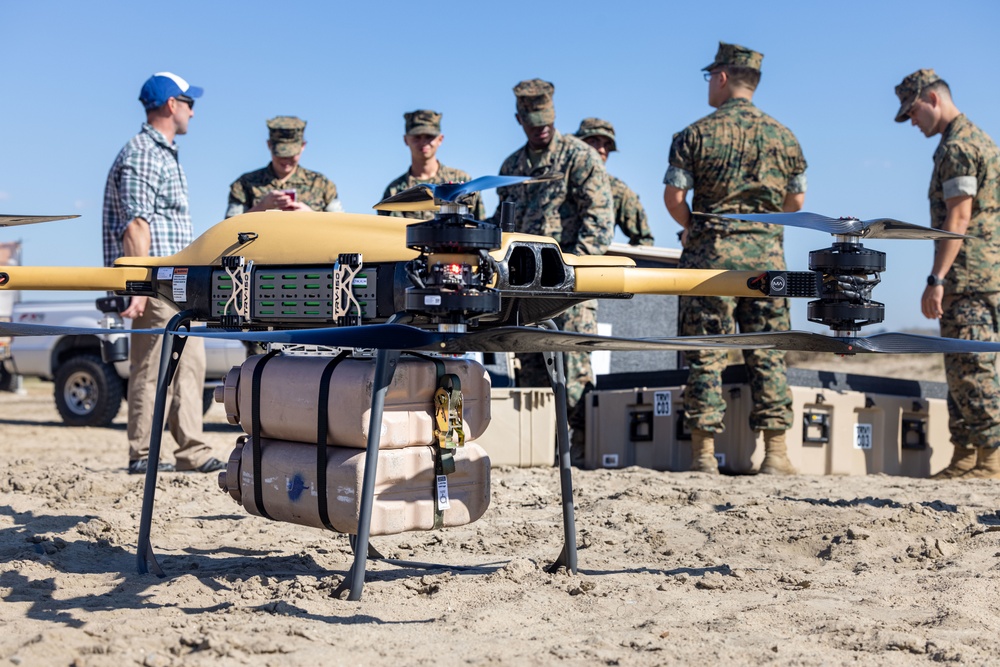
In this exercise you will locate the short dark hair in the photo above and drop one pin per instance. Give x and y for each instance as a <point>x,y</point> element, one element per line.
<point>937,87</point>
<point>743,76</point>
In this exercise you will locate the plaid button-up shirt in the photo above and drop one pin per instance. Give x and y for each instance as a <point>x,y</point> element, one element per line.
<point>146,181</point>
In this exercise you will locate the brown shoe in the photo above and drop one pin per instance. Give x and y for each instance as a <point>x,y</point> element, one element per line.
<point>963,460</point>
<point>703,452</point>
<point>987,464</point>
<point>776,455</point>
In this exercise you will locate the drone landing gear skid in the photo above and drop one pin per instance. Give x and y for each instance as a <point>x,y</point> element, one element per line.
<point>385,366</point>
<point>554,362</point>
<point>170,356</point>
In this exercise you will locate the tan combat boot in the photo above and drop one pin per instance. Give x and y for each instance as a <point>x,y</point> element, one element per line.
<point>776,455</point>
<point>987,464</point>
<point>703,452</point>
<point>963,460</point>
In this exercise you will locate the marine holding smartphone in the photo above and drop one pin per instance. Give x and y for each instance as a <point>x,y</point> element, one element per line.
<point>283,185</point>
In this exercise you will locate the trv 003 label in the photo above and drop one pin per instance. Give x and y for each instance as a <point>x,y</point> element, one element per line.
<point>862,436</point>
<point>661,403</point>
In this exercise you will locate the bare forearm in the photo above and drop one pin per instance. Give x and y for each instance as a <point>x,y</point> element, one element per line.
<point>676,202</point>
<point>793,202</point>
<point>136,239</point>
<point>957,221</point>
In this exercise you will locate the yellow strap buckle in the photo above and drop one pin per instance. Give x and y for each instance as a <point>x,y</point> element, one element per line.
<point>448,427</point>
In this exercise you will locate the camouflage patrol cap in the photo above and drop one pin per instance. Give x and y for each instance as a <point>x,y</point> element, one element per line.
<point>534,102</point>
<point>287,134</point>
<point>910,88</point>
<point>423,121</point>
<point>595,127</point>
<point>735,55</point>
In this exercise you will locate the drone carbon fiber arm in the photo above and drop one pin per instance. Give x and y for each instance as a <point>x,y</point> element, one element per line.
<point>688,282</point>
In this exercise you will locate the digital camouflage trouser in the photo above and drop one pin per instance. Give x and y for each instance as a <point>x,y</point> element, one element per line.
<point>973,389</point>
<point>704,406</point>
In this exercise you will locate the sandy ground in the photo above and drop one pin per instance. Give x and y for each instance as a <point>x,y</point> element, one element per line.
<point>674,568</point>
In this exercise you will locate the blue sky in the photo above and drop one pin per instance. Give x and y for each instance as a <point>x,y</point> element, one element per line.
<point>72,73</point>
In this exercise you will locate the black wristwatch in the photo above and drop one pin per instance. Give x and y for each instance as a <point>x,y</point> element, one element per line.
<point>934,281</point>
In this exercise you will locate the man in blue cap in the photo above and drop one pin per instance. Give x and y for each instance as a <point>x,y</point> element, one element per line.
<point>146,214</point>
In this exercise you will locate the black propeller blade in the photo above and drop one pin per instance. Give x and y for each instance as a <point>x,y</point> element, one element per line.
<point>428,196</point>
<point>14,220</point>
<point>530,339</point>
<point>886,343</point>
<point>25,329</point>
<point>878,228</point>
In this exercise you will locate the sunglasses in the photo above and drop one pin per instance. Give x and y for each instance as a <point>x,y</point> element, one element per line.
<point>185,99</point>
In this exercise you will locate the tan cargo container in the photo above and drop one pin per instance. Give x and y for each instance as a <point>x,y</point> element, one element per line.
<point>819,442</point>
<point>290,390</point>
<point>522,428</point>
<point>635,427</point>
<point>909,436</point>
<point>405,486</point>
<point>845,425</point>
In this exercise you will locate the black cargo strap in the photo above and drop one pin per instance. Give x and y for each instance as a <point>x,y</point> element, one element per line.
<point>322,429</point>
<point>258,475</point>
<point>439,474</point>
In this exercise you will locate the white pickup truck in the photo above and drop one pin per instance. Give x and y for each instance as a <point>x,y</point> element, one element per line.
<point>88,391</point>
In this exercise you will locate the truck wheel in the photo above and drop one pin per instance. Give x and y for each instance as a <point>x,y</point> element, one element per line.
<point>8,380</point>
<point>88,392</point>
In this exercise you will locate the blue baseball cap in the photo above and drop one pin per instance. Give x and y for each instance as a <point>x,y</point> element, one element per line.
<point>162,86</point>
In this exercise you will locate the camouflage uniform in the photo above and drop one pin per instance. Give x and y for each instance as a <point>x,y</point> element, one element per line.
<point>311,188</point>
<point>738,160</point>
<point>630,216</point>
<point>576,211</point>
<point>427,122</point>
<point>967,162</point>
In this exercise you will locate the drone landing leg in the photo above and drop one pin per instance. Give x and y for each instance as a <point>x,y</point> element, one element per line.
<point>146,559</point>
<point>557,373</point>
<point>385,367</point>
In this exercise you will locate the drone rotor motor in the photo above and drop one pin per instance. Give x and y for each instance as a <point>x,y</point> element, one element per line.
<point>451,277</point>
<point>850,272</point>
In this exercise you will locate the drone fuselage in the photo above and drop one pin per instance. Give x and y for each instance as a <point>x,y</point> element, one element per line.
<point>307,269</point>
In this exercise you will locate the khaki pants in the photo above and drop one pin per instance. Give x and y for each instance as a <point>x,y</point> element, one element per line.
<point>184,395</point>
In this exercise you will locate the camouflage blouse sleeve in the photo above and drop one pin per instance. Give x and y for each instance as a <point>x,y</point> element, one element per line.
<point>631,218</point>
<point>590,187</point>
<point>329,191</point>
<point>958,170</point>
<point>330,197</point>
<point>237,199</point>
<point>796,163</point>
<point>680,171</point>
